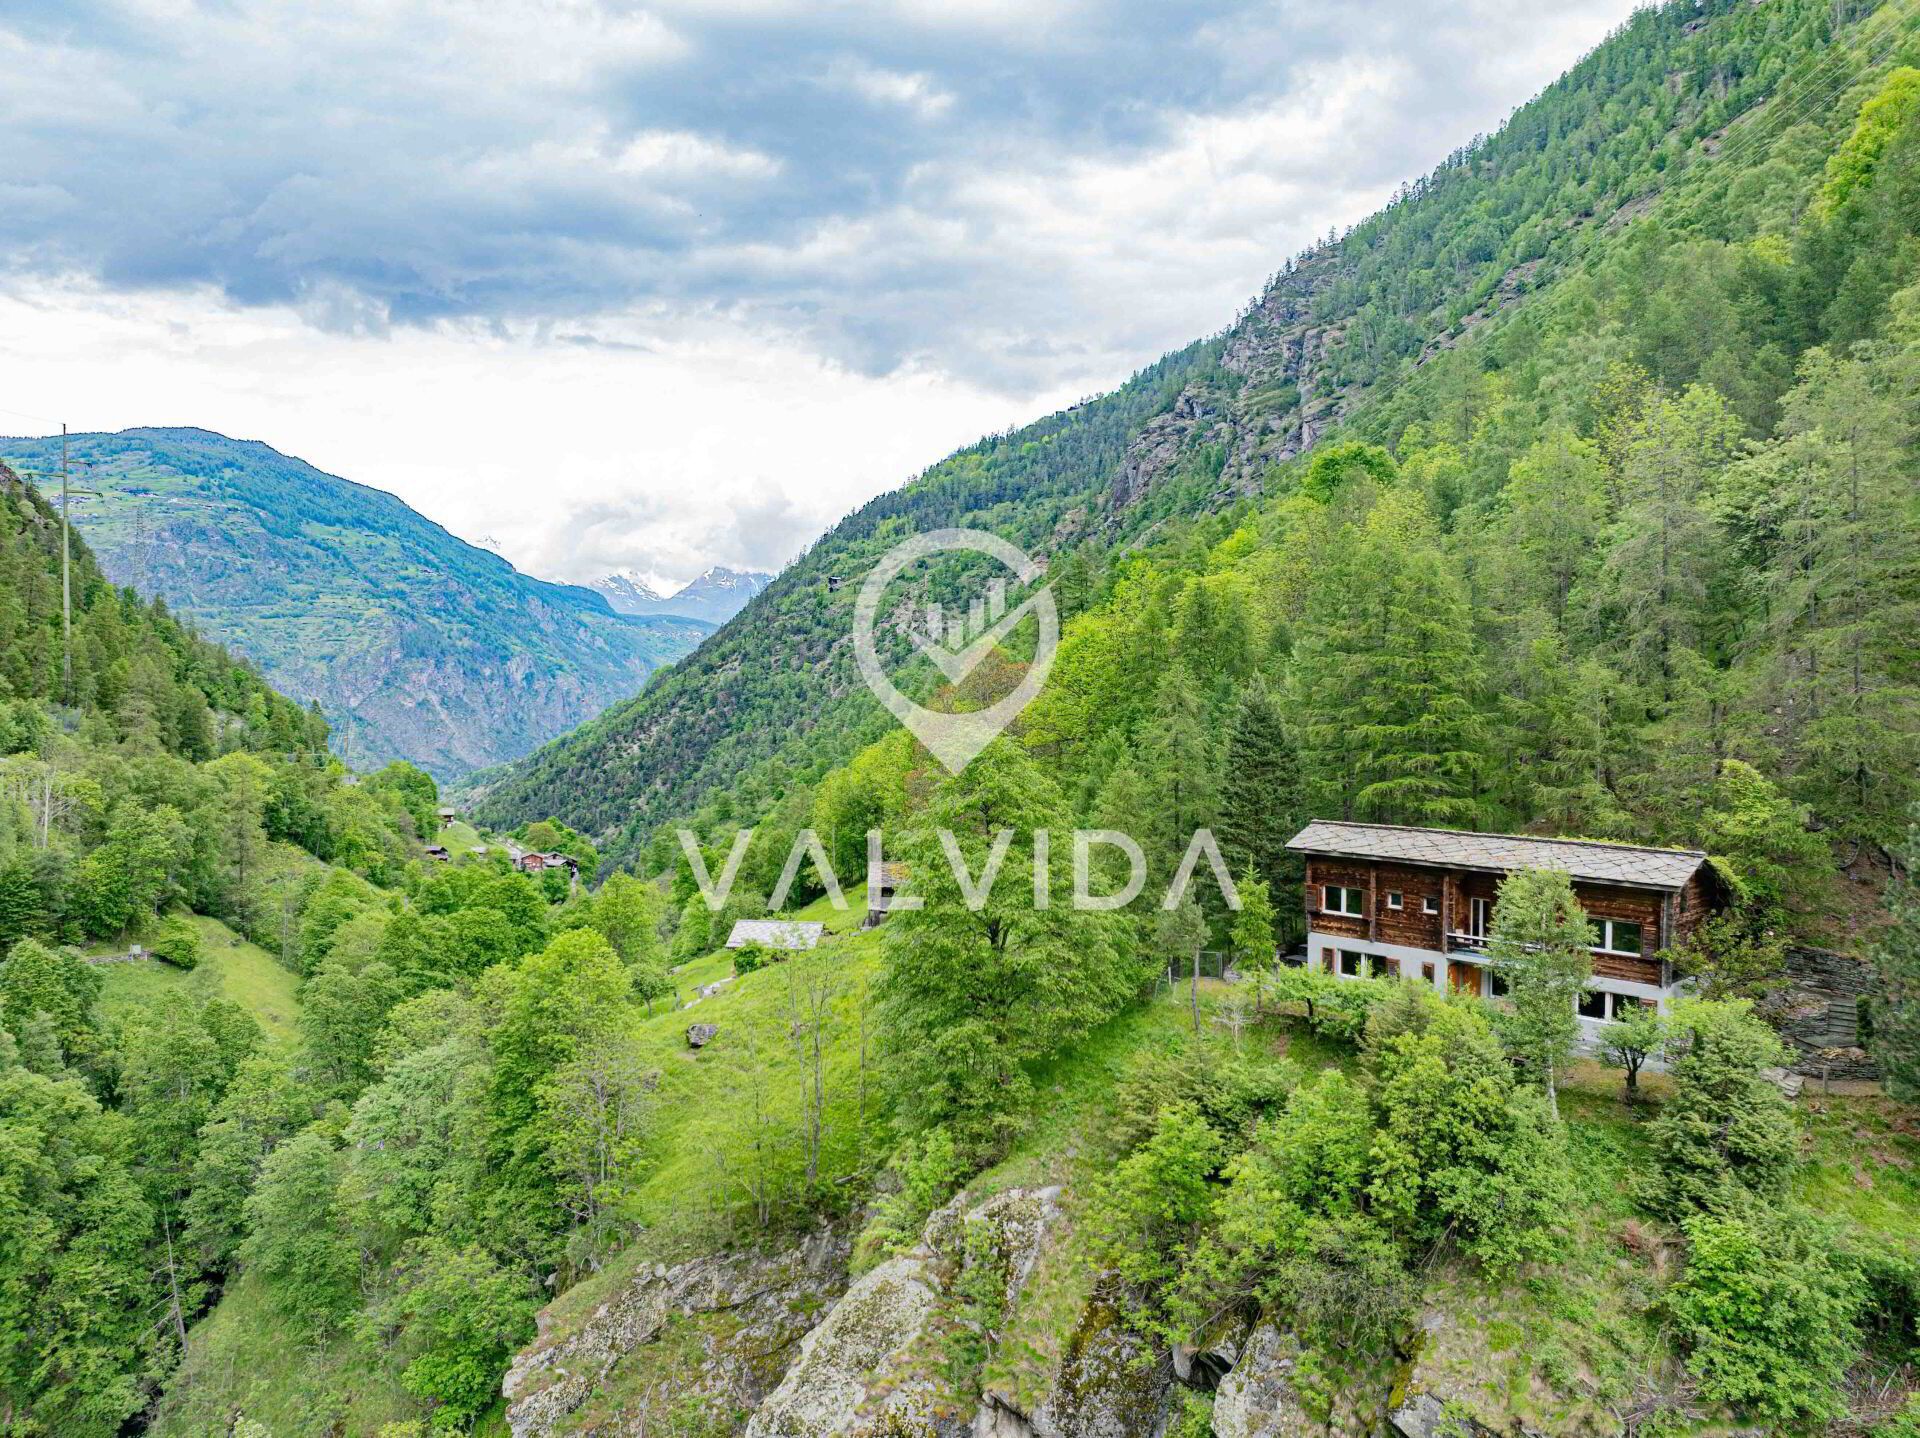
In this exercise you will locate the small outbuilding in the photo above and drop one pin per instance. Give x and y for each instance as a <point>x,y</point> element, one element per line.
<point>883,882</point>
<point>776,933</point>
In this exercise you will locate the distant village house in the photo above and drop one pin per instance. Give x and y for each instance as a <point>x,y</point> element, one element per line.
<point>883,882</point>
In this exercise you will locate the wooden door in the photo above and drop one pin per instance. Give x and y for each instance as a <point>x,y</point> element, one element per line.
<point>1464,978</point>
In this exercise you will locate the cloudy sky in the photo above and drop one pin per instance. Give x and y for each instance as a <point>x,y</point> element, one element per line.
<point>672,284</point>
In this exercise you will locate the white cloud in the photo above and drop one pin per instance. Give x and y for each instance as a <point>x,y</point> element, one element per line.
<point>673,285</point>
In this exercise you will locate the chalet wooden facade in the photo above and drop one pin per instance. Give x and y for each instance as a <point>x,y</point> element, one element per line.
<point>1383,899</point>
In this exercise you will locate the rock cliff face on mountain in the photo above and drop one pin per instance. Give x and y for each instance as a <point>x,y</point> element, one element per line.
<point>788,1345</point>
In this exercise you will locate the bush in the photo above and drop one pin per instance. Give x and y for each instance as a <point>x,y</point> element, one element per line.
<point>1335,1007</point>
<point>1233,1091</point>
<point>178,943</point>
<point>1728,1132</point>
<point>749,957</point>
<point>925,1170</point>
<point>1767,1314</point>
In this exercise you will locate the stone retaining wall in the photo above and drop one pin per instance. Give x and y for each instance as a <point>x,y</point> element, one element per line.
<point>1826,1003</point>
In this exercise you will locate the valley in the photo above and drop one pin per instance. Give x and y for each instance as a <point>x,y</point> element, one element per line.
<point>415,644</point>
<point>1519,595</point>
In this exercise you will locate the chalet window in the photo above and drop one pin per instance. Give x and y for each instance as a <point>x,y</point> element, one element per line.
<point>1385,967</point>
<point>1394,901</point>
<point>1429,905</point>
<point>1426,972</point>
<point>1592,1004</point>
<point>1497,984</point>
<point>1344,901</point>
<point>1352,964</point>
<point>1479,917</point>
<point>1617,936</point>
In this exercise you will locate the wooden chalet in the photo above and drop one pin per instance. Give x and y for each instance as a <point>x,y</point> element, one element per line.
<point>1389,900</point>
<point>533,863</point>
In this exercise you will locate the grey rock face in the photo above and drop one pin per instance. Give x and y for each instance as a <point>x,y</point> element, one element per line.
<point>843,1361</point>
<point>716,1333</point>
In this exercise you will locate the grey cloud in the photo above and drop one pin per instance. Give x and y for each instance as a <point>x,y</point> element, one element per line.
<point>873,177</point>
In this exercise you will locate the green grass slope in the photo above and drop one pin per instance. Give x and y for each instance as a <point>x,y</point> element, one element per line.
<point>230,968</point>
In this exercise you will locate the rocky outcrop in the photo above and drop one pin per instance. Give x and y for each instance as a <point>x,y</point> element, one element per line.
<point>1820,1014</point>
<point>1256,1399</point>
<point>846,1361</point>
<point>1276,400</point>
<point>882,1348</point>
<point>714,1335</point>
<point>783,1346</point>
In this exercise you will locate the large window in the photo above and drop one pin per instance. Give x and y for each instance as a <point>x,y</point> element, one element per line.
<point>1353,965</point>
<point>1344,901</point>
<point>1596,1004</point>
<point>1617,936</point>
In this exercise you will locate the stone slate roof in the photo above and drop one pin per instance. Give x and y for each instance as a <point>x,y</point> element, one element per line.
<point>775,933</point>
<point>1502,853</point>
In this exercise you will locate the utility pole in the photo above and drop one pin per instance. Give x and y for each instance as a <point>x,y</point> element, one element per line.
<point>66,582</point>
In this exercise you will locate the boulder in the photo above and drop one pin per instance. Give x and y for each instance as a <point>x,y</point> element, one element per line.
<point>835,1382</point>
<point>1256,1398</point>
<point>700,1035</point>
<point>715,1333</point>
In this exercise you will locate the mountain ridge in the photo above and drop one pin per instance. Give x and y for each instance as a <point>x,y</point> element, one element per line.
<point>417,644</point>
<point>1198,430</point>
<point>715,595</point>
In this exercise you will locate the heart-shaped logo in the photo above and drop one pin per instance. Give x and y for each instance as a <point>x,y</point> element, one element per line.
<point>958,646</point>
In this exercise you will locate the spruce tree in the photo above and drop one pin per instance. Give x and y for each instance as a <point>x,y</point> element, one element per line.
<point>1261,805</point>
<point>22,911</point>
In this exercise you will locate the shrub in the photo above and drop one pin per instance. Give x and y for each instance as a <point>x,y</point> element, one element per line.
<point>1231,1090</point>
<point>1767,1314</point>
<point>925,1171</point>
<point>1150,1209</point>
<point>177,943</point>
<point>1333,1006</point>
<point>1727,1132</point>
<point>749,957</point>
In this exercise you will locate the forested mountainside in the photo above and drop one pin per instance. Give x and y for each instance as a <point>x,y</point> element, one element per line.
<point>1676,111</point>
<point>1626,546</point>
<point>1620,537</point>
<point>417,645</point>
<point>715,596</point>
<point>172,1125</point>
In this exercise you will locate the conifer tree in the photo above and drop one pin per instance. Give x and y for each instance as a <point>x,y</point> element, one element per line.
<point>1261,805</point>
